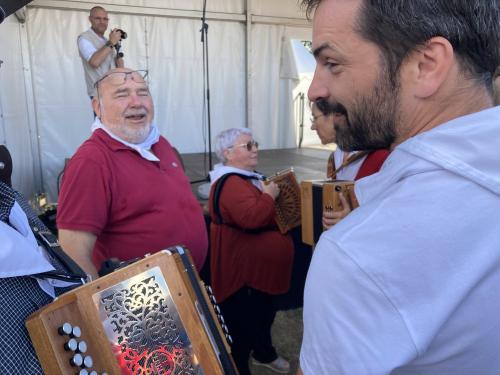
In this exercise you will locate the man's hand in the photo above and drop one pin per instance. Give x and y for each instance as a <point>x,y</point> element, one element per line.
<point>271,188</point>
<point>115,36</point>
<point>330,218</point>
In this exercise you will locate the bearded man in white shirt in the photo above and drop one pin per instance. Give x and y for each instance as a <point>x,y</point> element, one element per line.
<point>409,282</point>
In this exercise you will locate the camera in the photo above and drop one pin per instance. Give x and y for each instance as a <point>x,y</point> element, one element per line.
<point>123,34</point>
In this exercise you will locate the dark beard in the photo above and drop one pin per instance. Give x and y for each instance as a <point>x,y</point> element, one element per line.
<point>371,123</point>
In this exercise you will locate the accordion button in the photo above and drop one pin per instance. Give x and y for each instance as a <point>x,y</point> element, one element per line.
<point>76,331</point>
<point>88,362</point>
<point>82,347</point>
<point>71,345</point>
<point>76,361</point>
<point>95,373</point>
<point>82,372</point>
<point>65,329</point>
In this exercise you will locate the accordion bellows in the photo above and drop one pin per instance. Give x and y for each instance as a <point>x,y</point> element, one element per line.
<point>287,204</point>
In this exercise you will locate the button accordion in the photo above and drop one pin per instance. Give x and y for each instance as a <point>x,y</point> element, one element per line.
<point>320,195</point>
<point>287,204</point>
<point>151,317</point>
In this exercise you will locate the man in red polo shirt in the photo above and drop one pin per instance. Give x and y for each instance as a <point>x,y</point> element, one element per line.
<point>124,193</point>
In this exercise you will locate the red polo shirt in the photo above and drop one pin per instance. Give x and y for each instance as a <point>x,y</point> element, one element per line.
<point>133,206</point>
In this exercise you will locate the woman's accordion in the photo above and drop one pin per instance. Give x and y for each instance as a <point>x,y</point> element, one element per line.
<point>288,201</point>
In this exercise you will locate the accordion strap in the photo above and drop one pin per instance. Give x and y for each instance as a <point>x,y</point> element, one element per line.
<point>71,271</point>
<point>351,159</point>
<point>219,184</point>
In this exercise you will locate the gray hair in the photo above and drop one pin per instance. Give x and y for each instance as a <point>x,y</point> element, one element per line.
<point>226,139</point>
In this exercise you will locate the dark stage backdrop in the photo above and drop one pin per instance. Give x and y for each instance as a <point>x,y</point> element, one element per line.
<point>7,7</point>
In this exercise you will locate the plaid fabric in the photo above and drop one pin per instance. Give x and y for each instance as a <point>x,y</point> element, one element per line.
<point>7,200</point>
<point>19,297</point>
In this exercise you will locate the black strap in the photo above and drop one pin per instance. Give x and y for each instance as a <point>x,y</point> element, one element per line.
<point>71,271</point>
<point>219,184</point>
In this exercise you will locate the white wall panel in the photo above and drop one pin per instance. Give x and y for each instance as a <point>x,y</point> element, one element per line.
<point>278,8</point>
<point>225,6</point>
<point>177,79</point>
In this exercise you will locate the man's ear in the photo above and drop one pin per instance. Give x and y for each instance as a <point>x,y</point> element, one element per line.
<point>96,107</point>
<point>227,154</point>
<point>430,65</point>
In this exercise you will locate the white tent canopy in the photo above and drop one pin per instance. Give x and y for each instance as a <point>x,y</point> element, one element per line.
<point>46,114</point>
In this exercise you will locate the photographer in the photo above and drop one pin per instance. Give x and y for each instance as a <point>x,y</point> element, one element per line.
<point>99,55</point>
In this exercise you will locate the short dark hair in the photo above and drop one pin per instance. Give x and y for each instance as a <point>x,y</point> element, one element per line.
<point>399,27</point>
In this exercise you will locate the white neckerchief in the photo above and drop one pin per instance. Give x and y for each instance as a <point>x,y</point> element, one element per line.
<point>20,254</point>
<point>142,148</point>
<point>221,169</point>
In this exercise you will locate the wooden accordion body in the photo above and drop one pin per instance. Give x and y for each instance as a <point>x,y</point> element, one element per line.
<point>318,196</point>
<point>288,201</point>
<point>151,317</point>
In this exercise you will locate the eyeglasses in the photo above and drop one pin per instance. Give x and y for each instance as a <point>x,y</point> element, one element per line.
<point>249,145</point>
<point>119,78</point>
<point>314,118</point>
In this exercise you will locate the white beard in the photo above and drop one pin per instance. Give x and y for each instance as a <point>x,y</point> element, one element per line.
<point>128,134</point>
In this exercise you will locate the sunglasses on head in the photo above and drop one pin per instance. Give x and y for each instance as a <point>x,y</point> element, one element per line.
<point>249,145</point>
<point>119,78</point>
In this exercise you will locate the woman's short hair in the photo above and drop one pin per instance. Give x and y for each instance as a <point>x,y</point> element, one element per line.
<point>226,139</point>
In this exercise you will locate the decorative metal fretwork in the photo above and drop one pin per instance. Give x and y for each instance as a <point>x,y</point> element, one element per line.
<point>144,328</point>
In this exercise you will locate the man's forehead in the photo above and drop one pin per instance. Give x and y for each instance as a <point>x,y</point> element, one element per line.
<point>334,25</point>
<point>334,18</point>
<point>99,13</point>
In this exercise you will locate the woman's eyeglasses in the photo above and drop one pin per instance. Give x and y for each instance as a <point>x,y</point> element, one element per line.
<point>249,145</point>
<point>314,118</point>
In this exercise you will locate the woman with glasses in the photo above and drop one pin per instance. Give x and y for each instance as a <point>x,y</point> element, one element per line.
<point>343,165</point>
<point>251,261</point>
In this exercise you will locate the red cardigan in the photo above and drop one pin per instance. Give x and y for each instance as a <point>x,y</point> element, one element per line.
<point>247,249</point>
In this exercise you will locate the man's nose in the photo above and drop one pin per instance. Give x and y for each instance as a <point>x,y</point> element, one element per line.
<point>318,88</point>
<point>135,100</point>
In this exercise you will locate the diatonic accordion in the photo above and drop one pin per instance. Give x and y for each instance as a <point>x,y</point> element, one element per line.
<point>320,195</point>
<point>288,201</point>
<point>151,317</point>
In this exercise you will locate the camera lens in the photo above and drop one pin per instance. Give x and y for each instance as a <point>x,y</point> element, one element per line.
<point>123,33</point>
